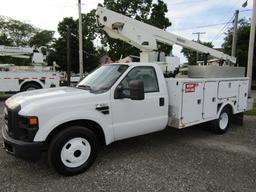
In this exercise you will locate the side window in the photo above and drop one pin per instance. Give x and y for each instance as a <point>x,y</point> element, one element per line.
<point>146,74</point>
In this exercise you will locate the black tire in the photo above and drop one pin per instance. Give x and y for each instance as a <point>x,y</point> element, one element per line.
<point>64,138</point>
<point>30,86</point>
<point>221,126</point>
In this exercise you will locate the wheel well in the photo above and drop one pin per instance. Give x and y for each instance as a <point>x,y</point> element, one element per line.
<point>93,126</point>
<point>227,106</point>
<point>31,82</point>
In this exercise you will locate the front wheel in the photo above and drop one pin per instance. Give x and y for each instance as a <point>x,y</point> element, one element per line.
<point>73,150</point>
<point>222,124</point>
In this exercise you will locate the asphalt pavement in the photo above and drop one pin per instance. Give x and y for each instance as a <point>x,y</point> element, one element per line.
<point>192,159</point>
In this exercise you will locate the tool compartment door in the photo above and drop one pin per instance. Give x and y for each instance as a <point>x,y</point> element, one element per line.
<point>192,102</point>
<point>243,95</point>
<point>210,100</point>
<point>228,89</point>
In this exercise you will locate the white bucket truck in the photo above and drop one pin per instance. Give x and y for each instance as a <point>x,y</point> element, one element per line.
<point>119,101</point>
<point>24,78</point>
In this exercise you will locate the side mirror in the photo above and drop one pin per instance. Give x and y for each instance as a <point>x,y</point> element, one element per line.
<point>134,92</point>
<point>118,94</point>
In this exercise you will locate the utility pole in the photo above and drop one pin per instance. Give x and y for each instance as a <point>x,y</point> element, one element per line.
<point>68,56</point>
<point>81,69</point>
<point>233,52</point>
<point>251,46</point>
<point>198,40</point>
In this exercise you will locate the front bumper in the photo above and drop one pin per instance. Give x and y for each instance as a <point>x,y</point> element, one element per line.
<point>22,149</point>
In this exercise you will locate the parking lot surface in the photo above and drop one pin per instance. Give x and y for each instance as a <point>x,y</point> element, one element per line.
<point>192,159</point>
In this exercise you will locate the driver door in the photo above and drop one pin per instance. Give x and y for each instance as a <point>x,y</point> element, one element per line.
<point>137,117</point>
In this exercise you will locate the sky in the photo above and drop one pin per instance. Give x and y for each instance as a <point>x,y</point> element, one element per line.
<point>187,16</point>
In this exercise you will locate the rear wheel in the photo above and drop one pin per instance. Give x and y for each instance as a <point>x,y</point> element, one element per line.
<point>222,124</point>
<point>73,150</point>
<point>30,87</point>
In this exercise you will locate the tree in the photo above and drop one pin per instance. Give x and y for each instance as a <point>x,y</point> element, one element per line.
<point>58,51</point>
<point>142,10</point>
<point>158,19</point>
<point>42,38</point>
<point>243,34</point>
<point>4,40</point>
<point>17,32</point>
<point>157,16</point>
<point>137,9</point>
<point>191,54</point>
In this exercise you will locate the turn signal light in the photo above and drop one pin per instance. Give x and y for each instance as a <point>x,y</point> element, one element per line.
<point>32,121</point>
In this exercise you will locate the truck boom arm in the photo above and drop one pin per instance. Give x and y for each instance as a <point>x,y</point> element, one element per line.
<point>145,37</point>
<point>23,52</point>
<point>38,55</point>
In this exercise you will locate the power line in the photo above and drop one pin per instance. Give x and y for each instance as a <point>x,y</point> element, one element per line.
<point>234,7</point>
<point>210,25</point>
<point>220,34</point>
<point>203,26</point>
<point>223,29</point>
<point>245,10</point>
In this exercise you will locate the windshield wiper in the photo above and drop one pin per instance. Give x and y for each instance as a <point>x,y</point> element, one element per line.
<point>86,87</point>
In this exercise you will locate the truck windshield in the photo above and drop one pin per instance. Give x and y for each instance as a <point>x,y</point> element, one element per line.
<point>102,78</point>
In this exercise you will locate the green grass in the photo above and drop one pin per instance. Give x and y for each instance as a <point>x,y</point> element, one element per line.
<point>252,112</point>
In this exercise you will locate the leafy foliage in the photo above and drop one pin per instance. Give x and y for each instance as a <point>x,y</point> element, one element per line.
<point>142,10</point>
<point>58,51</point>
<point>16,32</point>
<point>243,34</point>
<point>4,40</point>
<point>41,38</point>
<point>137,9</point>
<point>157,16</point>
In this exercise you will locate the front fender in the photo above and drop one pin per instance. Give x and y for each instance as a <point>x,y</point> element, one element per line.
<point>47,125</point>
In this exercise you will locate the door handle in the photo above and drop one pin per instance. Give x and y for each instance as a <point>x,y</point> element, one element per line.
<point>198,101</point>
<point>161,101</point>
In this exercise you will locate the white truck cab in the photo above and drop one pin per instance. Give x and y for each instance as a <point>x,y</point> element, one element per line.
<point>102,102</point>
<point>115,102</point>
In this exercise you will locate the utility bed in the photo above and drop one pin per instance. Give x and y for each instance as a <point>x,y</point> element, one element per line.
<point>197,100</point>
<point>13,81</point>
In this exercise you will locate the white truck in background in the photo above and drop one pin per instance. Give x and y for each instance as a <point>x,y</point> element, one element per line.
<point>23,78</point>
<point>119,101</point>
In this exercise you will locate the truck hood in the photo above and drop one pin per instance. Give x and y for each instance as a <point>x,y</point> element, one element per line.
<point>44,94</point>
